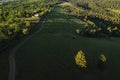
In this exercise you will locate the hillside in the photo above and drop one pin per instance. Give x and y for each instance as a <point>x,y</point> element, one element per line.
<point>49,54</point>
<point>59,39</point>
<point>17,21</point>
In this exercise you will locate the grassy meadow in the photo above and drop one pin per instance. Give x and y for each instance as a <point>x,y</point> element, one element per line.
<point>4,66</point>
<point>114,10</point>
<point>49,55</point>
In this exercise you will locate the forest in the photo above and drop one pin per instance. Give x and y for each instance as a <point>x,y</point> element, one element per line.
<point>102,17</point>
<point>18,17</point>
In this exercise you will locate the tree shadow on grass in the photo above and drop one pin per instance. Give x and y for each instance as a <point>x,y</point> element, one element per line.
<point>101,66</point>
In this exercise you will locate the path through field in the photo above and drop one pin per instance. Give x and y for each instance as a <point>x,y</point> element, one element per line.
<point>43,49</point>
<point>12,64</point>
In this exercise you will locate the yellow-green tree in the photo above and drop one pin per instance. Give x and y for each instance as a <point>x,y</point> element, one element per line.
<point>77,31</point>
<point>102,58</point>
<point>25,31</point>
<point>27,24</point>
<point>80,59</point>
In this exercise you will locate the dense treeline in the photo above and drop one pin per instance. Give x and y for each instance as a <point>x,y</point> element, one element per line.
<point>17,17</point>
<point>102,17</point>
<point>102,9</point>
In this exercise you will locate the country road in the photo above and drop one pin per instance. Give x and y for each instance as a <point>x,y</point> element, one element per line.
<point>12,64</point>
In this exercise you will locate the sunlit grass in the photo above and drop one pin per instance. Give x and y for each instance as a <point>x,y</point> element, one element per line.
<point>114,10</point>
<point>29,19</point>
<point>66,4</point>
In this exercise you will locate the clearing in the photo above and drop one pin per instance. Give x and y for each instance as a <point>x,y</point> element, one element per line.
<point>49,55</point>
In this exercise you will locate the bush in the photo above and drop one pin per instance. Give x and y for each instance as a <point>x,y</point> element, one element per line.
<point>80,59</point>
<point>27,24</point>
<point>77,31</point>
<point>101,62</point>
<point>102,58</point>
<point>25,31</point>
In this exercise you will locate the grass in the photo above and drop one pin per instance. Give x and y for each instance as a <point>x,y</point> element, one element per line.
<point>29,19</point>
<point>4,66</point>
<point>66,4</point>
<point>114,10</point>
<point>71,6</point>
<point>4,56</point>
<point>49,55</point>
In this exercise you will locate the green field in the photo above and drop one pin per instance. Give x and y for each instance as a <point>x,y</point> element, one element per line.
<point>4,66</point>
<point>49,55</point>
<point>116,11</point>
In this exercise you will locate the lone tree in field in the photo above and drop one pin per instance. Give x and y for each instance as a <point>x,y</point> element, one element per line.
<point>102,58</point>
<point>80,59</point>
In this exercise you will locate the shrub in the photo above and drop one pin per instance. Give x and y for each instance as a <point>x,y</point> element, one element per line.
<point>77,31</point>
<point>102,58</point>
<point>101,62</point>
<point>80,59</point>
<point>27,24</point>
<point>25,31</point>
